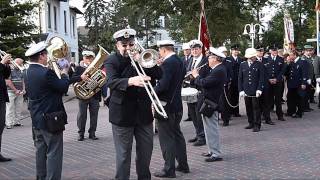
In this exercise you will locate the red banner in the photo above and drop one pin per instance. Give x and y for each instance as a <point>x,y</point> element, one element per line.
<point>204,35</point>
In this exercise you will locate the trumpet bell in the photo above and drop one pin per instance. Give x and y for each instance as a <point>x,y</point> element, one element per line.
<point>148,58</point>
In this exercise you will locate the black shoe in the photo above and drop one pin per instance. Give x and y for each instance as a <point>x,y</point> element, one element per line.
<point>308,110</point>
<point>237,115</point>
<point>206,154</point>
<point>93,137</point>
<point>200,143</point>
<point>213,159</point>
<point>270,122</point>
<point>163,174</point>
<point>3,159</point>
<point>66,95</point>
<point>188,119</point>
<point>81,138</point>
<point>297,116</point>
<point>193,140</point>
<point>281,119</point>
<point>18,124</point>
<point>255,129</point>
<point>225,124</point>
<point>183,169</point>
<point>249,127</point>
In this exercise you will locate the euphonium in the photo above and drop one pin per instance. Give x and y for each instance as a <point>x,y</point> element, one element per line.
<point>97,77</point>
<point>57,49</point>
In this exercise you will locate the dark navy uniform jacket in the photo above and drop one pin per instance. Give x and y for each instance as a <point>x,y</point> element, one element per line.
<point>45,91</point>
<point>266,79</point>
<point>228,65</point>
<point>186,61</point>
<point>274,68</point>
<point>297,74</point>
<point>4,74</point>
<point>128,105</point>
<point>251,78</point>
<point>169,86</point>
<point>235,68</point>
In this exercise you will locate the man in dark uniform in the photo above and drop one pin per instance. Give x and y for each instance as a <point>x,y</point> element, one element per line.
<point>225,97</point>
<point>251,80</point>
<point>197,60</point>
<point>129,107</point>
<point>297,75</point>
<point>264,99</point>
<point>45,91</point>
<point>4,74</point>
<point>186,58</point>
<point>310,89</point>
<point>234,94</point>
<point>168,88</point>
<point>92,103</point>
<point>275,68</point>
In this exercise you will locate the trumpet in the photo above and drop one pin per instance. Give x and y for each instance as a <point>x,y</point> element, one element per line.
<point>12,62</point>
<point>198,68</point>
<point>148,58</point>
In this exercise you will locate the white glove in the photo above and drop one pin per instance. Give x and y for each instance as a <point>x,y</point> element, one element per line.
<point>318,80</point>
<point>258,93</point>
<point>241,94</point>
<point>309,81</point>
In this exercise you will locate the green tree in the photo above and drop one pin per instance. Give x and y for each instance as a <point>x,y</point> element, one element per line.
<point>16,27</point>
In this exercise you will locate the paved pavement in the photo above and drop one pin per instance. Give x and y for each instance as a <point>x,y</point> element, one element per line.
<point>288,150</point>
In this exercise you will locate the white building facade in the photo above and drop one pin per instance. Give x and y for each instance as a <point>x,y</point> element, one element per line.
<point>58,18</point>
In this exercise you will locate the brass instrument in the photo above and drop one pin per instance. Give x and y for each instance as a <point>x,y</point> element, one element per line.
<point>97,77</point>
<point>148,58</point>
<point>198,68</point>
<point>12,62</point>
<point>57,49</point>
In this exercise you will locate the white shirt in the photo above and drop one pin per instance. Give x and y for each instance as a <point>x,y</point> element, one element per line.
<point>169,55</point>
<point>296,59</point>
<point>215,66</point>
<point>196,61</point>
<point>37,64</point>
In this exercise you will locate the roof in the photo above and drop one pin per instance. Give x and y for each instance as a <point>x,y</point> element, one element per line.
<point>76,10</point>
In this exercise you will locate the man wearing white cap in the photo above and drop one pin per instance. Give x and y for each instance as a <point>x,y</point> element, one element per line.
<point>197,60</point>
<point>168,88</point>
<point>251,84</point>
<point>91,103</point>
<point>45,91</point>
<point>129,107</point>
<point>211,80</point>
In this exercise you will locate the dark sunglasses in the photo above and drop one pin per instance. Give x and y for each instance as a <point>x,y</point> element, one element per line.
<point>125,45</point>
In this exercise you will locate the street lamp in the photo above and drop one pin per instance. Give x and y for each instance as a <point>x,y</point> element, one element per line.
<point>252,31</point>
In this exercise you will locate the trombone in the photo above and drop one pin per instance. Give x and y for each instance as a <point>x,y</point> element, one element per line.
<point>148,58</point>
<point>198,68</point>
<point>12,62</point>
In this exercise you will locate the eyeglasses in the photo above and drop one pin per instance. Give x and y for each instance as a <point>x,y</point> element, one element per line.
<point>125,45</point>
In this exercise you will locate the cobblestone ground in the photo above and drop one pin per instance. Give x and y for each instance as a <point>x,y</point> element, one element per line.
<point>288,150</point>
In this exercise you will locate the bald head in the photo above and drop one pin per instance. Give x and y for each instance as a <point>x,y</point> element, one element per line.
<point>19,61</point>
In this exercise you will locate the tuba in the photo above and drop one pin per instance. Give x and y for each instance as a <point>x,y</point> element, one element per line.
<point>148,59</point>
<point>97,77</point>
<point>57,49</point>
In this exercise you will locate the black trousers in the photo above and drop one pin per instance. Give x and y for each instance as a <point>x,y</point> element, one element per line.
<point>275,96</point>
<point>226,110</point>
<point>197,120</point>
<point>94,106</point>
<point>234,99</point>
<point>2,119</point>
<point>172,143</point>
<point>253,111</point>
<point>264,105</point>
<point>294,102</point>
<point>306,99</point>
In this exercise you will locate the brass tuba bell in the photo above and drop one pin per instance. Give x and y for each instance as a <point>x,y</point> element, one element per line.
<point>57,49</point>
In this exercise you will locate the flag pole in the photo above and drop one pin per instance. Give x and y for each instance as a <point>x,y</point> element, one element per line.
<point>201,14</point>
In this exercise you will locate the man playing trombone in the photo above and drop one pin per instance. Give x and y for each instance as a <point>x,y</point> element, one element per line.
<point>129,106</point>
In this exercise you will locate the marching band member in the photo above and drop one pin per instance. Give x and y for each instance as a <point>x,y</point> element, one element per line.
<point>4,74</point>
<point>197,60</point>
<point>168,88</point>
<point>264,99</point>
<point>234,95</point>
<point>45,91</point>
<point>211,81</point>
<point>251,80</point>
<point>307,56</point>
<point>275,68</point>
<point>316,66</point>
<point>129,108</point>
<point>186,59</point>
<point>297,75</point>
<point>91,103</point>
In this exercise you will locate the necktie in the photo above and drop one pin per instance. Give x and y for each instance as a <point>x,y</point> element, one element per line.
<point>193,64</point>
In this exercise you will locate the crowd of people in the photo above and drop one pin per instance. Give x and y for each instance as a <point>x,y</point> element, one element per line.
<point>262,77</point>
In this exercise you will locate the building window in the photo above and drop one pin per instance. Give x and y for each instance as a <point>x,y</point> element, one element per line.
<point>55,17</point>
<point>73,26</point>
<point>65,21</point>
<point>49,15</point>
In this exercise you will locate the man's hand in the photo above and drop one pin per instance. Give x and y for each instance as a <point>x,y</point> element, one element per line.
<point>309,81</point>
<point>242,94</point>
<point>138,80</point>
<point>84,77</point>
<point>65,71</point>
<point>6,59</point>
<point>195,73</point>
<point>273,81</point>
<point>318,80</point>
<point>303,87</point>
<point>159,61</point>
<point>258,93</point>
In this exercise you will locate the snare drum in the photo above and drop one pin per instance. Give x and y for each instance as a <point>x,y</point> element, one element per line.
<point>189,95</point>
